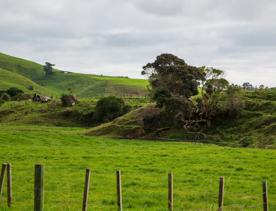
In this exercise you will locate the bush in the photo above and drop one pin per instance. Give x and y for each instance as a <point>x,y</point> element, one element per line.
<point>232,106</point>
<point>246,141</point>
<point>68,100</point>
<point>14,91</point>
<point>109,108</point>
<point>156,121</point>
<point>22,96</point>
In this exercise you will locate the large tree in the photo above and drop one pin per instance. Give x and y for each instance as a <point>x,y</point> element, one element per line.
<point>172,83</point>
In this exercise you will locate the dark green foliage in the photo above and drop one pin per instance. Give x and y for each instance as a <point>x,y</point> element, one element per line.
<point>153,121</point>
<point>246,141</point>
<point>14,94</point>
<point>172,83</point>
<point>14,91</point>
<point>48,68</point>
<point>247,86</point>
<point>173,75</point>
<point>108,108</point>
<point>85,117</point>
<point>232,103</point>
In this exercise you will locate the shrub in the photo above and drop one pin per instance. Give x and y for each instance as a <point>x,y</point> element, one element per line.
<point>68,100</point>
<point>246,141</point>
<point>14,91</point>
<point>156,119</point>
<point>22,96</point>
<point>232,106</point>
<point>109,108</point>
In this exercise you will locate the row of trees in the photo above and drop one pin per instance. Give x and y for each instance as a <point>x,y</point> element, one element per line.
<point>249,86</point>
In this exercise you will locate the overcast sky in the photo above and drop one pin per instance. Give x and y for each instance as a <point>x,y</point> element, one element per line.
<point>117,37</point>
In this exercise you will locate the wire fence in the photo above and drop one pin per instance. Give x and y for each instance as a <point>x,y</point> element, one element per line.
<point>39,189</point>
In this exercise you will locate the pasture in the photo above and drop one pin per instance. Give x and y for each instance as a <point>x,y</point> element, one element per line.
<point>66,152</point>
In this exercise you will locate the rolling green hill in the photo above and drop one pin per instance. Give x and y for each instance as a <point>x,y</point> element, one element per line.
<point>13,79</point>
<point>83,85</point>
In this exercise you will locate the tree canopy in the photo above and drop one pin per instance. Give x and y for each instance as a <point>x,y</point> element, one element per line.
<point>173,75</point>
<point>173,83</point>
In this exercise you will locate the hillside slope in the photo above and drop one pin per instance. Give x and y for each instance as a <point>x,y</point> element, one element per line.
<point>255,127</point>
<point>83,85</point>
<point>13,79</point>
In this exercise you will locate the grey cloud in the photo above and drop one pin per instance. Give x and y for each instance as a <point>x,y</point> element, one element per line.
<point>160,7</point>
<point>119,37</point>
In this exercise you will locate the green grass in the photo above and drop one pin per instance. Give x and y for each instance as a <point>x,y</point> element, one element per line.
<point>24,67</point>
<point>53,113</point>
<point>13,79</point>
<point>49,114</point>
<point>66,152</point>
<point>84,85</point>
<point>139,83</point>
<point>93,86</point>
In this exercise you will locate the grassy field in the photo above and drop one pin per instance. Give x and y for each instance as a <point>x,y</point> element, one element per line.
<point>84,85</point>
<point>66,152</point>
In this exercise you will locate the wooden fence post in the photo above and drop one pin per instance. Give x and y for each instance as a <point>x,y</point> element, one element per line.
<point>39,188</point>
<point>221,194</point>
<point>170,191</point>
<point>119,191</point>
<point>86,190</point>
<point>9,184</point>
<point>2,176</point>
<point>265,196</point>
